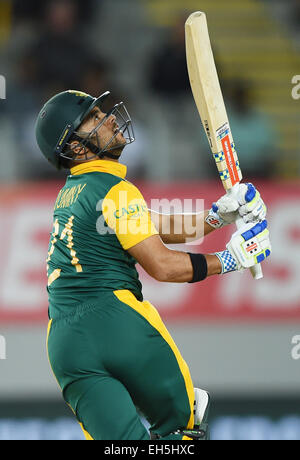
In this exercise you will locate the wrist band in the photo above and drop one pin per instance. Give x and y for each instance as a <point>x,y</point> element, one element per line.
<point>199,267</point>
<point>227,260</point>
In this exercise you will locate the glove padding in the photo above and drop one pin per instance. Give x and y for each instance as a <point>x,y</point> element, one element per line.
<point>250,245</point>
<point>252,208</point>
<point>246,203</point>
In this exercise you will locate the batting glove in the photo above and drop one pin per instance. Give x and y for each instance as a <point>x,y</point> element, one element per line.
<point>246,203</point>
<point>248,246</point>
<point>251,206</point>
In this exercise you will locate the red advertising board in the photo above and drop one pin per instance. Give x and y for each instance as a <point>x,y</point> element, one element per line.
<point>26,222</point>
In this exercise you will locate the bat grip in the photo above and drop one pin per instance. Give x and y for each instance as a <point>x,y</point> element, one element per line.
<point>256,270</point>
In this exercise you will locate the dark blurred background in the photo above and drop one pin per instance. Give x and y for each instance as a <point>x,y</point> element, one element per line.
<point>237,348</point>
<point>136,49</point>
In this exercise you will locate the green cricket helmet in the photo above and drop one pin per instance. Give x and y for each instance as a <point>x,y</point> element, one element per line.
<point>61,116</point>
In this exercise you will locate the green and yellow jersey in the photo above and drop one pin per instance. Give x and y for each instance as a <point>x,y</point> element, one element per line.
<point>98,216</point>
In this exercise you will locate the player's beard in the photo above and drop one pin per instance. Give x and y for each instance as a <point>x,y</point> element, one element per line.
<point>114,145</point>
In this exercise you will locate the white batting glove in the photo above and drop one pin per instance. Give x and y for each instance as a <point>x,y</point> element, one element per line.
<point>246,203</point>
<point>223,212</point>
<point>248,246</point>
<point>251,206</point>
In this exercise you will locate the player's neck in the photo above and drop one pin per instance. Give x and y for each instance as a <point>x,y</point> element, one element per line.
<point>110,159</point>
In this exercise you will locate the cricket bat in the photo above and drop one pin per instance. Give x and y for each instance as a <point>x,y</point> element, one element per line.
<point>210,104</point>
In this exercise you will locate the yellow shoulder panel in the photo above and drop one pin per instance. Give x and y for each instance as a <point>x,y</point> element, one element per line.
<point>126,212</point>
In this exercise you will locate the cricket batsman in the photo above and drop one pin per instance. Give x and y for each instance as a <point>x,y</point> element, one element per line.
<point>109,350</point>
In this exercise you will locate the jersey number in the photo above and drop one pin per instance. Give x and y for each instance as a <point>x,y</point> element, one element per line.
<point>67,232</point>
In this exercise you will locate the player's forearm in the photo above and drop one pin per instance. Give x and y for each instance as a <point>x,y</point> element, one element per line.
<point>168,265</point>
<point>177,267</point>
<point>181,228</point>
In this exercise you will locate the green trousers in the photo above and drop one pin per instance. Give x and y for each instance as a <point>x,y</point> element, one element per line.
<point>114,359</point>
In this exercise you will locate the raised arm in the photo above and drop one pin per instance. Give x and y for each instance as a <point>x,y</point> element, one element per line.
<point>181,228</point>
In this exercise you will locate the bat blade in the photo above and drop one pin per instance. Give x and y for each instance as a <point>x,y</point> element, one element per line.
<point>209,100</point>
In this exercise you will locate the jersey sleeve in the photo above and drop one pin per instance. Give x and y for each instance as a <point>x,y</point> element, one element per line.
<point>125,211</point>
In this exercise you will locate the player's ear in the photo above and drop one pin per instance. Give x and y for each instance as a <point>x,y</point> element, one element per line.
<point>74,145</point>
<point>77,148</point>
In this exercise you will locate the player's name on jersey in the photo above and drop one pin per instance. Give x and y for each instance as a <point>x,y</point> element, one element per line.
<point>68,196</point>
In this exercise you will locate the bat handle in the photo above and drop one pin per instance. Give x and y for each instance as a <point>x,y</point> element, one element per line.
<point>256,270</point>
